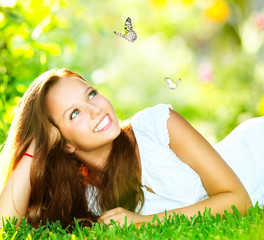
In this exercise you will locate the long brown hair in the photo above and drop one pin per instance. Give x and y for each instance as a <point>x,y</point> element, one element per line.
<point>58,182</point>
<point>120,179</point>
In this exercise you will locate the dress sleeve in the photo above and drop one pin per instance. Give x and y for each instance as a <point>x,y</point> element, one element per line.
<point>152,123</point>
<point>161,169</point>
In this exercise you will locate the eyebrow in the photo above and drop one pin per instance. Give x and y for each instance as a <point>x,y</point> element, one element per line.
<point>84,93</point>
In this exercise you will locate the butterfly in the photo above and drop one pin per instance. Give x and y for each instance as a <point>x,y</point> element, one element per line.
<point>129,35</point>
<point>171,83</point>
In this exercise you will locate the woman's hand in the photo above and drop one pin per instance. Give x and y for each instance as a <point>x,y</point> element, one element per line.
<point>119,214</point>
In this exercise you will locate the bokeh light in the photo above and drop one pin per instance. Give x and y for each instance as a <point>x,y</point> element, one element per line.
<point>214,46</point>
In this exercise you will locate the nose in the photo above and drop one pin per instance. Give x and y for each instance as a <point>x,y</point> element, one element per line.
<point>93,110</point>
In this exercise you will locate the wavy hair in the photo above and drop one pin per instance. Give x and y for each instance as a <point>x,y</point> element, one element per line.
<point>58,179</point>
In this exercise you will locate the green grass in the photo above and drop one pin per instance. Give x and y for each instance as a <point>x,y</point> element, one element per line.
<point>228,226</point>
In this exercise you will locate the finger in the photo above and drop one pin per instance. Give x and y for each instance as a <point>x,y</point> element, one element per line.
<point>106,217</point>
<point>107,220</point>
<point>139,224</point>
<point>110,213</point>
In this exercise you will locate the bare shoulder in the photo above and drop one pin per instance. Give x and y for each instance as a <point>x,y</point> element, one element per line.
<point>176,119</point>
<point>190,146</point>
<point>182,134</point>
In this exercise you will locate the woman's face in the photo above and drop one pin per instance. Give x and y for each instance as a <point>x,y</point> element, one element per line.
<point>85,118</point>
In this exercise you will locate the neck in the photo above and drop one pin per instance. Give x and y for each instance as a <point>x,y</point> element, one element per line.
<point>95,159</point>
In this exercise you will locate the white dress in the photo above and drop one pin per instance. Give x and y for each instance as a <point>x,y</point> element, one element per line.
<point>174,182</point>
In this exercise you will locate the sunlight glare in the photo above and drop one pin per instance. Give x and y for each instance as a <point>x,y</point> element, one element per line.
<point>8,3</point>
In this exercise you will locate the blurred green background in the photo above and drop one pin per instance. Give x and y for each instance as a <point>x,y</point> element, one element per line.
<point>214,46</point>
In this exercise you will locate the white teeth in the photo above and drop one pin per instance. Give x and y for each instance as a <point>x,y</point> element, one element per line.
<point>102,124</point>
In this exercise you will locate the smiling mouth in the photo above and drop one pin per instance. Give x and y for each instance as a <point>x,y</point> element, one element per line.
<point>104,124</point>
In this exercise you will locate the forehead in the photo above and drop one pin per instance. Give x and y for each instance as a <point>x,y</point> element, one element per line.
<point>72,81</point>
<point>67,85</point>
<point>64,93</point>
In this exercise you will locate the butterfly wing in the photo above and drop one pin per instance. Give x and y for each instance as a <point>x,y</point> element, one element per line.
<point>129,35</point>
<point>178,82</point>
<point>119,34</point>
<point>171,83</point>
<point>128,25</point>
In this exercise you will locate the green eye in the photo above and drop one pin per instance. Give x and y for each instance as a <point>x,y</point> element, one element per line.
<point>92,94</point>
<point>74,113</point>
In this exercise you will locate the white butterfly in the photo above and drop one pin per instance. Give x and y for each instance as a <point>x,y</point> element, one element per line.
<point>129,35</point>
<point>171,83</point>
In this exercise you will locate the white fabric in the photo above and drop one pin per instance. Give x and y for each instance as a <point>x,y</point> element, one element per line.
<point>243,150</point>
<point>176,184</point>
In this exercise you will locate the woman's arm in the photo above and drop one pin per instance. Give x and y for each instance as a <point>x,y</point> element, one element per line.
<point>14,198</point>
<point>221,183</point>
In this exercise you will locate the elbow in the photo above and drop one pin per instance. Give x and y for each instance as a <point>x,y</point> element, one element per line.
<point>11,219</point>
<point>243,203</point>
<point>248,203</point>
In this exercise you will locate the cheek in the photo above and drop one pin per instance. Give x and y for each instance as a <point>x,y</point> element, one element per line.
<point>80,129</point>
<point>102,101</point>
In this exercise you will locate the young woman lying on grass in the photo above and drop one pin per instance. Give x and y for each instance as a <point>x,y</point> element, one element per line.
<point>66,156</point>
